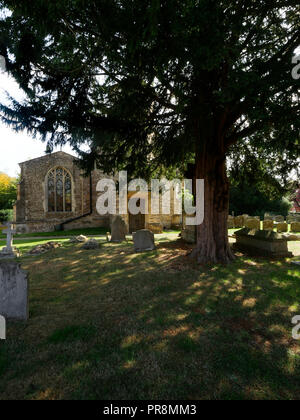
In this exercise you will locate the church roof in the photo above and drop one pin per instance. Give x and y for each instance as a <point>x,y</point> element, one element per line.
<point>49,154</point>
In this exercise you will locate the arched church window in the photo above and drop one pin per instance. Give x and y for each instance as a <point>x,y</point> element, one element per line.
<point>59,185</point>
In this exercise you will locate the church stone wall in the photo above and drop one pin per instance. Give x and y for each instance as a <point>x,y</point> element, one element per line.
<point>31,208</point>
<point>31,212</point>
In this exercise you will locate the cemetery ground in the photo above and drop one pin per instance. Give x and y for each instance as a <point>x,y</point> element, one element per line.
<point>113,324</point>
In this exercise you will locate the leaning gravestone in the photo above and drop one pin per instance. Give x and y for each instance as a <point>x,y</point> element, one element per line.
<point>118,229</point>
<point>13,291</point>
<point>143,240</point>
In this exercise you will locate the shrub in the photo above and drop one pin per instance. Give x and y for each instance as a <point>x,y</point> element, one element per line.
<point>6,215</point>
<point>249,200</point>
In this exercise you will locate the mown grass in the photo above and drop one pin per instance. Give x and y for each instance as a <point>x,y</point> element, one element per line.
<point>88,231</point>
<point>112,324</point>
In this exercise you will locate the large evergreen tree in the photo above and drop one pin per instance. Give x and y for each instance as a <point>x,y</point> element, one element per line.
<point>152,82</point>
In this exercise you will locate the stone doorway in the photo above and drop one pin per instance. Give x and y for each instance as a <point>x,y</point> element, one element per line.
<point>136,222</point>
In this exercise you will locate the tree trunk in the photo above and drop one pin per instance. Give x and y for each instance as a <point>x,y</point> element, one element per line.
<point>212,235</point>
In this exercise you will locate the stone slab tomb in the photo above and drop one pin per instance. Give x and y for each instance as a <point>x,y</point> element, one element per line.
<point>13,291</point>
<point>262,242</point>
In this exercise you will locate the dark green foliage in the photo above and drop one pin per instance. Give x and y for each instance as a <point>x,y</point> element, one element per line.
<point>6,215</point>
<point>248,199</point>
<point>193,74</point>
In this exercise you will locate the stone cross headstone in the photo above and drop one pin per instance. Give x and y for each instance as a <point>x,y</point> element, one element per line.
<point>9,237</point>
<point>9,251</point>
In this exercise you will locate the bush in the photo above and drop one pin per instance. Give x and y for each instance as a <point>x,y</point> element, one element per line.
<point>6,215</point>
<point>249,200</point>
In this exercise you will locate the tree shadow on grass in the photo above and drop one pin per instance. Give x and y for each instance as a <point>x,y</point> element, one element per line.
<point>156,332</point>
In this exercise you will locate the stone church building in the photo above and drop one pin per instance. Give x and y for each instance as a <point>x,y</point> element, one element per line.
<point>54,195</point>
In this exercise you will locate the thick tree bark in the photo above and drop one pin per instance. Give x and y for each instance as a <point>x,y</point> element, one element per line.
<point>212,235</point>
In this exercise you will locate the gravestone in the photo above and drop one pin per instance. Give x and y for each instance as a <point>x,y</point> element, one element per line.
<point>13,291</point>
<point>118,229</point>
<point>282,227</point>
<point>262,242</point>
<point>9,251</point>
<point>230,222</point>
<point>295,227</point>
<point>253,224</point>
<point>291,219</point>
<point>239,222</point>
<point>268,225</point>
<point>143,240</point>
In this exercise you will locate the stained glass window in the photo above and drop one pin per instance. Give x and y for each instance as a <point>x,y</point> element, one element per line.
<point>59,191</point>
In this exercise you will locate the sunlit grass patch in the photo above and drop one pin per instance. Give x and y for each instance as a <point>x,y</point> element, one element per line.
<point>113,324</point>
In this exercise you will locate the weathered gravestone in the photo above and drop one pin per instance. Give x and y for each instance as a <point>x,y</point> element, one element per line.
<point>282,227</point>
<point>295,227</point>
<point>13,291</point>
<point>143,240</point>
<point>253,224</point>
<point>262,242</point>
<point>268,225</point>
<point>291,219</point>
<point>9,251</point>
<point>230,222</point>
<point>118,229</point>
<point>239,221</point>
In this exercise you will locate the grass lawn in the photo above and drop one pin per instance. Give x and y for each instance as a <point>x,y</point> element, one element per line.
<point>112,324</point>
<point>88,231</point>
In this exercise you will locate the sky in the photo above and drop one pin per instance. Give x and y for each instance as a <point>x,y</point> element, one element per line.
<point>17,147</point>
